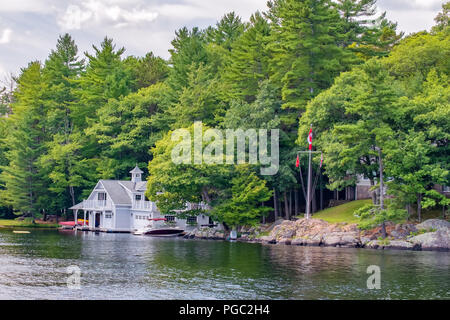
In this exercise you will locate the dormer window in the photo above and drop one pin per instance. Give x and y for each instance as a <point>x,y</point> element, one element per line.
<point>138,197</point>
<point>101,196</point>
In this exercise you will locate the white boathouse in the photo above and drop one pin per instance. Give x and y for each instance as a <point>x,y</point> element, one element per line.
<point>121,206</point>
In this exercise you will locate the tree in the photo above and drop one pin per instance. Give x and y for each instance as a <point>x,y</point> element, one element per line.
<point>125,130</point>
<point>200,99</point>
<point>106,77</point>
<point>243,207</point>
<point>171,185</point>
<point>351,120</point>
<point>150,70</point>
<point>305,52</point>
<point>249,61</point>
<point>188,53</point>
<point>23,182</point>
<point>443,18</point>
<point>63,160</point>
<point>410,165</point>
<point>226,31</point>
<point>362,33</point>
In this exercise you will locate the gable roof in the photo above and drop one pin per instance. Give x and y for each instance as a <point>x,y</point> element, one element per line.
<point>116,191</point>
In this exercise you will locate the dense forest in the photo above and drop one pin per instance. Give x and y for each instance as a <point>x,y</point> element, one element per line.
<point>378,102</point>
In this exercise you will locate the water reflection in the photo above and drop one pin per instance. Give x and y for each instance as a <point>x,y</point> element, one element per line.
<point>123,266</point>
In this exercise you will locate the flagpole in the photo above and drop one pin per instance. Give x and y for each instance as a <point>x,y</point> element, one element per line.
<point>308,196</point>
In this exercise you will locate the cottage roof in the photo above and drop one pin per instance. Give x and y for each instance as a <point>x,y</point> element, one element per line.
<point>116,191</point>
<point>77,206</point>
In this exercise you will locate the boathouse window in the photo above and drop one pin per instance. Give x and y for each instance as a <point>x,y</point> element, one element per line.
<point>138,197</point>
<point>191,220</point>
<point>107,216</point>
<point>101,196</point>
<point>446,188</point>
<point>170,218</point>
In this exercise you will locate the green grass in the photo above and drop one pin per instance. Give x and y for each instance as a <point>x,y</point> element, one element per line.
<point>10,223</point>
<point>341,213</point>
<point>344,213</point>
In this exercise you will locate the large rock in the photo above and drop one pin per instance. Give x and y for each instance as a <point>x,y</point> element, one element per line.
<point>298,242</point>
<point>285,230</point>
<point>284,241</point>
<point>401,245</point>
<point>434,224</point>
<point>268,239</point>
<point>347,239</point>
<point>402,231</point>
<point>438,240</point>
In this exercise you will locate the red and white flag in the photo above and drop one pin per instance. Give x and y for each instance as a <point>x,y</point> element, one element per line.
<point>297,163</point>
<point>310,139</point>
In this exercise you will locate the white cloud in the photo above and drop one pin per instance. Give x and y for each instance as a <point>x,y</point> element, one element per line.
<point>5,36</point>
<point>36,6</point>
<point>97,12</point>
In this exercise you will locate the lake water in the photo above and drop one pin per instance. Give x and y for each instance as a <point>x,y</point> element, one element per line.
<point>124,266</point>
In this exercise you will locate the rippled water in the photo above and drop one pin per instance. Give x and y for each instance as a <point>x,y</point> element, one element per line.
<point>124,266</point>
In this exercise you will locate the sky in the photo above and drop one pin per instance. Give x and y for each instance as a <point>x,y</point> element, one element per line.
<point>29,28</point>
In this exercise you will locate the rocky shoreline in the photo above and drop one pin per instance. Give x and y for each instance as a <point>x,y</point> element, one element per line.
<point>433,234</point>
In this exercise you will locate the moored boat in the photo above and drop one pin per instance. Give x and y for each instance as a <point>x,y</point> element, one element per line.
<point>160,231</point>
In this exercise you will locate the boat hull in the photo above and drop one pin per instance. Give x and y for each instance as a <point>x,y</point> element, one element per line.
<point>164,232</point>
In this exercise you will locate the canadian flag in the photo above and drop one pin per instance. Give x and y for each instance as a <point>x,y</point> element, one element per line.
<point>310,139</point>
<point>297,163</point>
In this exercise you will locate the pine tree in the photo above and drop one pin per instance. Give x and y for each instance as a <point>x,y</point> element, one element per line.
<point>25,183</point>
<point>226,31</point>
<point>304,45</point>
<point>249,60</point>
<point>106,77</point>
<point>364,34</point>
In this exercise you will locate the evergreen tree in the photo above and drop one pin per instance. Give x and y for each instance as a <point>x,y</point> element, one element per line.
<point>249,61</point>
<point>63,159</point>
<point>106,77</point>
<point>247,192</point>
<point>304,45</point>
<point>25,184</point>
<point>365,35</point>
<point>226,31</point>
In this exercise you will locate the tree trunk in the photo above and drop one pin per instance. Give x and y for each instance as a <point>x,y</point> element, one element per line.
<point>296,201</point>
<point>372,193</point>
<point>286,206</point>
<point>419,206</point>
<point>380,160</point>
<point>290,203</point>
<point>383,230</point>
<point>313,202</point>
<point>321,191</point>
<point>264,216</point>
<point>72,195</point>
<point>275,203</point>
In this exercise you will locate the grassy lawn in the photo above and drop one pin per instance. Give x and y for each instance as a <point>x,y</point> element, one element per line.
<point>10,223</point>
<point>342,213</point>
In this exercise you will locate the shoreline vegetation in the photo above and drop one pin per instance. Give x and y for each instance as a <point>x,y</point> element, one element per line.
<point>369,98</point>
<point>331,227</point>
<point>27,223</point>
<point>338,227</point>
<point>431,235</point>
